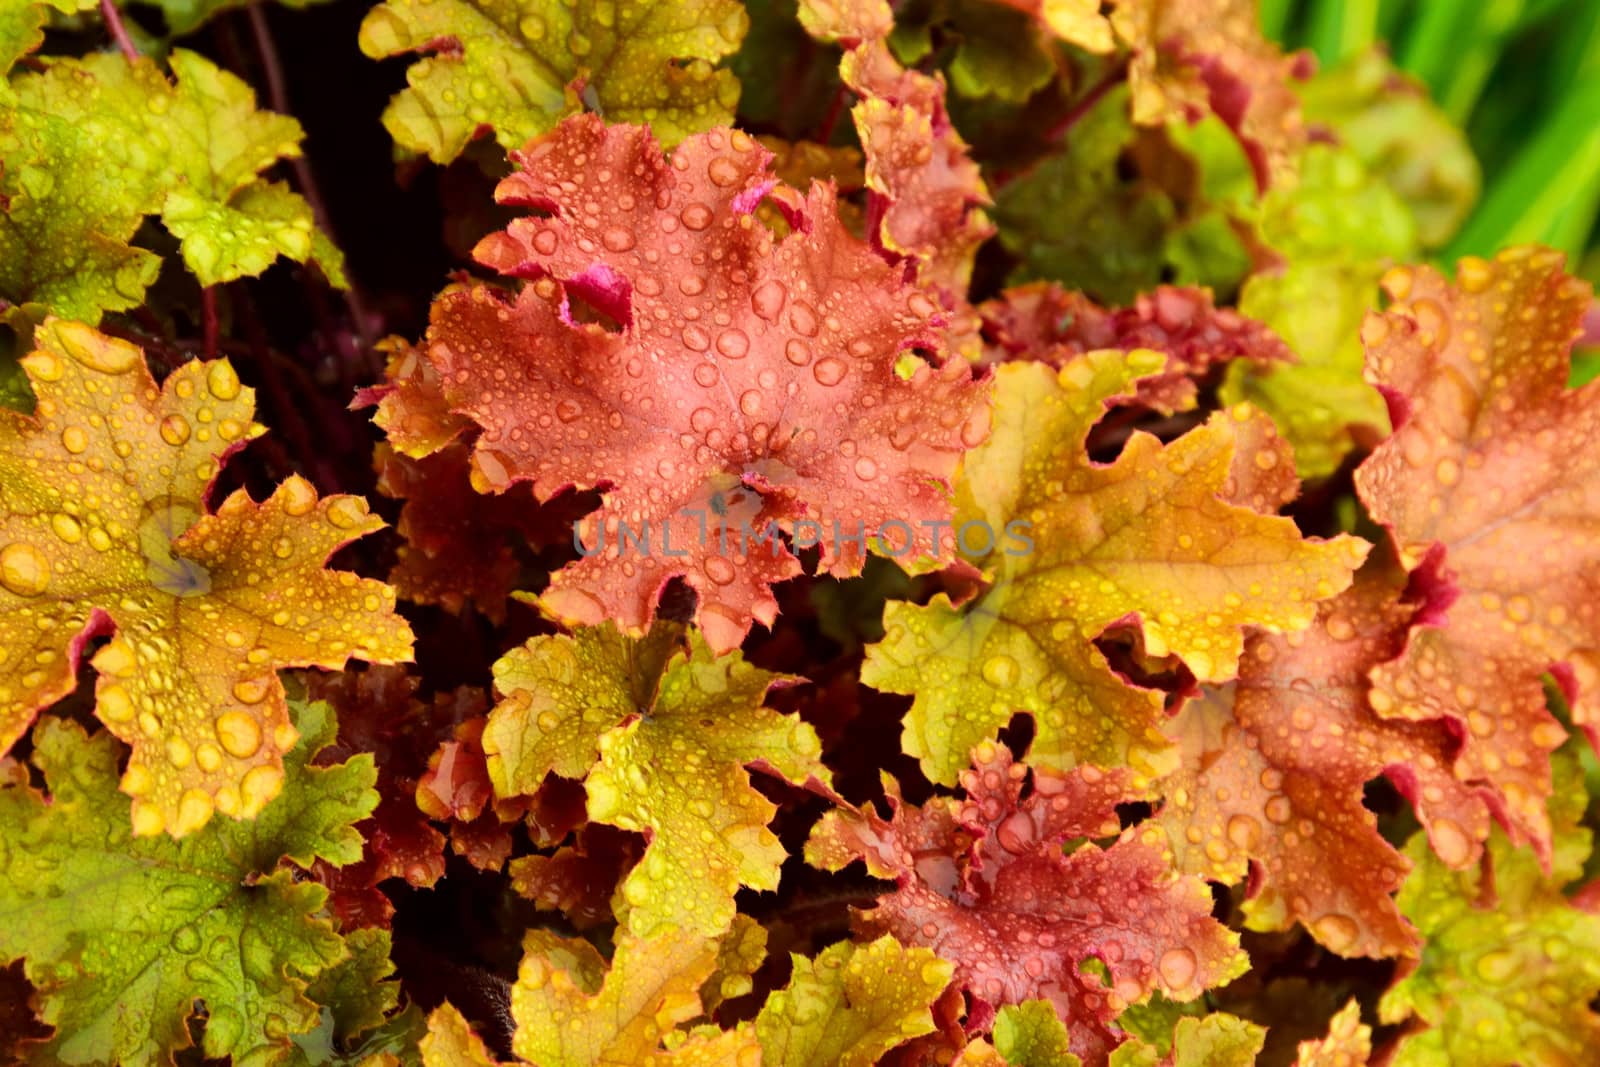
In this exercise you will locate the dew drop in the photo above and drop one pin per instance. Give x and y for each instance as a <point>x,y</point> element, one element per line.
<point>797,352</point>
<point>617,238</point>
<point>702,419</point>
<point>722,171</point>
<point>705,375</point>
<point>1001,671</point>
<point>767,299</point>
<point>66,528</point>
<point>74,439</point>
<point>830,370</point>
<point>866,469</point>
<point>1017,833</point>
<point>1178,967</point>
<point>1244,831</point>
<point>24,570</point>
<point>568,410</point>
<point>545,242</point>
<point>1278,809</point>
<point>1335,930</point>
<point>719,570</point>
<point>750,402</point>
<point>175,430</point>
<point>803,319</point>
<point>696,216</point>
<point>298,496</point>
<point>347,512</point>
<point>239,733</point>
<point>695,339</point>
<point>733,343</point>
<point>222,381</point>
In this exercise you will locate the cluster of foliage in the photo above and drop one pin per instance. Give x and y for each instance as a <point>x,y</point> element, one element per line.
<point>974,532</point>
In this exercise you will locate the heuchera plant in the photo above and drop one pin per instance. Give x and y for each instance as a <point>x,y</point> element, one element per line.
<point>1055,533</point>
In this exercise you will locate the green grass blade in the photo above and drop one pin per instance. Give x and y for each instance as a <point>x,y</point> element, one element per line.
<point>1274,16</point>
<point>1550,192</point>
<point>1453,47</point>
<point>1340,28</point>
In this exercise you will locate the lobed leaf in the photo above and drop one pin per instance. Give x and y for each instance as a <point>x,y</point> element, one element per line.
<point>1488,488</point>
<point>851,1004</point>
<point>516,68</point>
<point>123,935</point>
<point>90,146</point>
<point>753,383</point>
<point>1070,548</point>
<point>104,532</point>
<point>986,885</point>
<point>661,731</point>
<point>1272,770</point>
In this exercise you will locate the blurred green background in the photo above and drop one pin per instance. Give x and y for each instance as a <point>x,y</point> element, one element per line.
<point>1521,77</point>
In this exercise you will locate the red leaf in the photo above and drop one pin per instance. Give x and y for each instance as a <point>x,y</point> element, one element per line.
<point>1043,321</point>
<point>985,884</point>
<point>379,713</point>
<point>753,381</point>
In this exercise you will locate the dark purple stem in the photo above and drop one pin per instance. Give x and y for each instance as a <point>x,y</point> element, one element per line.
<point>305,178</point>
<point>119,32</point>
<point>208,320</point>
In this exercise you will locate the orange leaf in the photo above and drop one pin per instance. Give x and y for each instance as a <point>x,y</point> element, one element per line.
<point>754,382</point>
<point>1490,487</point>
<point>1273,768</point>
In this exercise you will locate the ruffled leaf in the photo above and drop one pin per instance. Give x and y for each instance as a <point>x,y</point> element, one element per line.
<point>90,146</point>
<point>517,69</point>
<point>985,884</point>
<point>1490,488</point>
<point>103,531</point>
<point>122,934</point>
<point>1194,56</point>
<point>1071,547</point>
<point>1272,771</point>
<point>661,731</point>
<point>1047,323</point>
<point>851,1004</point>
<point>753,385</point>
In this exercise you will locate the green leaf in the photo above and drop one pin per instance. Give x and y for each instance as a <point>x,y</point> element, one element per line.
<point>1508,970</point>
<point>123,935</point>
<point>1215,1040</point>
<point>1031,1034</point>
<point>520,66</point>
<point>851,1004</point>
<point>1402,138</point>
<point>1075,220</point>
<point>661,730</point>
<point>1338,230</point>
<point>91,146</point>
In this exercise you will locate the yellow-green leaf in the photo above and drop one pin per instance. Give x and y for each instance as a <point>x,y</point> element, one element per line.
<point>661,730</point>
<point>104,531</point>
<point>517,67</point>
<point>1071,547</point>
<point>851,1004</point>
